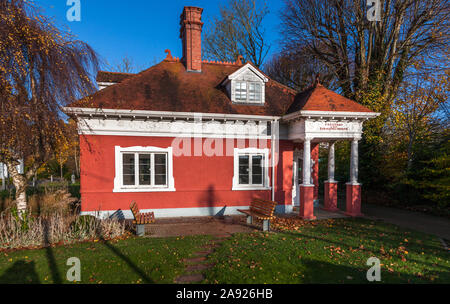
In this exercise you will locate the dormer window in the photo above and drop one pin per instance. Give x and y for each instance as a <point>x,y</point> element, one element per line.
<point>246,91</point>
<point>246,85</point>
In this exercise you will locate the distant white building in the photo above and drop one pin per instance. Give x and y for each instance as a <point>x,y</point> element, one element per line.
<point>4,171</point>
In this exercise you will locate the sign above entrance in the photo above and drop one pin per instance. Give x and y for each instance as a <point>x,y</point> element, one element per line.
<point>320,129</point>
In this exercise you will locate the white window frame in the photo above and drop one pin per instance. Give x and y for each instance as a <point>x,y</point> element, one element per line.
<point>118,179</point>
<point>247,87</point>
<point>250,152</point>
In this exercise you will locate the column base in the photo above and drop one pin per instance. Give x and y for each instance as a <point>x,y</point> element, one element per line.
<point>307,202</point>
<point>353,200</point>
<point>330,202</point>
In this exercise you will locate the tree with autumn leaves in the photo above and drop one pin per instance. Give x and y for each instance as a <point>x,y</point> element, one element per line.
<point>41,69</point>
<point>397,66</point>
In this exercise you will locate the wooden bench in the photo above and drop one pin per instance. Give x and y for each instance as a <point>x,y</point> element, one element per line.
<point>260,209</point>
<point>140,219</point>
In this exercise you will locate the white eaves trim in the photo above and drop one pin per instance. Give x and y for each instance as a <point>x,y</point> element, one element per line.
<point>162,114</point>
<point>330,114</point>
<point>103,84</point>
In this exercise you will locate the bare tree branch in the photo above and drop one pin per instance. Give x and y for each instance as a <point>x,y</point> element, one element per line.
<point>238,31</point>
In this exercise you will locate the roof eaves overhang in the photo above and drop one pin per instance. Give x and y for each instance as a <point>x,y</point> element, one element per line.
<point>122,113</point>
<point>330,115</point>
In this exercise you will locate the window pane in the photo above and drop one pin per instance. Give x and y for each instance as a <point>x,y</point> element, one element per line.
<point>128,169</point>
<point>257,170</point>
<point>254,91</point>
<point>144,169</point>
<point>241,90</point>
<point>160,169</point>
<point>244,169</point>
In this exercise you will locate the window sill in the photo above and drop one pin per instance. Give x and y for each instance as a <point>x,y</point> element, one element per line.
<point>125,190</point>
<point>250,188</point>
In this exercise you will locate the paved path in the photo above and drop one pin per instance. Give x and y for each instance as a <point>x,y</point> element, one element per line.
<point>197,265</point>
<point>413,220</point>
<point>167,227</point>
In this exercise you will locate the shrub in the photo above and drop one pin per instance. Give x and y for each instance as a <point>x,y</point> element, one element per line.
<point>83,224</point>
<point>54,228</point>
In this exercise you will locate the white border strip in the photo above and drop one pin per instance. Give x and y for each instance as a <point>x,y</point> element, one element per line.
<point>331,114</point>
<point>159,114</point>
<point>182,212</point>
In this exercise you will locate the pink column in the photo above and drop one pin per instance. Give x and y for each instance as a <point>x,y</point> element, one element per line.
<point>315,171</point>
<point>353,200</point>
<point>330,200</point>
<point>307,202</point>
<point>353,187</point>
<point>307,189</point>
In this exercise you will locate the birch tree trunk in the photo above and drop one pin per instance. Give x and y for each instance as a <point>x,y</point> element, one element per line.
<point>20,183</point>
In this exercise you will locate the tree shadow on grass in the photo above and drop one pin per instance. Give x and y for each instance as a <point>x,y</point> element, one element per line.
<point>56,276</point>
<point>330,273</point>
<point>441,253</point>
<point>124,258</point>
<point>22,272</point>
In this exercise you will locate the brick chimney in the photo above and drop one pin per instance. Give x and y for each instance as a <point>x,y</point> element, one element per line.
<point>191,37</point>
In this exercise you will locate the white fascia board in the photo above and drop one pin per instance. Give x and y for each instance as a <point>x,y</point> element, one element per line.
<point>246,67</point>
<point>330,114</point>
<point>103,83</point>
<point>159,114</point>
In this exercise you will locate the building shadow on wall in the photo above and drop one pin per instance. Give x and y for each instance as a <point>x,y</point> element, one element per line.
<point>210,199</point>
<point>118,215</point>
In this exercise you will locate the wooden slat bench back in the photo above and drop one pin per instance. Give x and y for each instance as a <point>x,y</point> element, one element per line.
<point>141,218</point>
<point>261,209</point>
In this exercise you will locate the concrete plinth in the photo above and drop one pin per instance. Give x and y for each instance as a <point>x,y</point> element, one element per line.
<point>307,202</point>
<point>330,202</point>
<point>353,200</point>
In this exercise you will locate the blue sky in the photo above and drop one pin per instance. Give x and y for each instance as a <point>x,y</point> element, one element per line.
<point>141,29</point>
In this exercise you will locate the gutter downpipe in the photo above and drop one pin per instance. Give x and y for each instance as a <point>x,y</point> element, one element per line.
<point>274,131</point>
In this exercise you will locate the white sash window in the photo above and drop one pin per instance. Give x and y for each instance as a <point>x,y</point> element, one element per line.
<point>143,169</point>
<point>251,169</point>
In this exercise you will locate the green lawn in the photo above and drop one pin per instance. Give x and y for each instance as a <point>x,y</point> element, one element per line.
<point>332,251</point>
<point>134,260</point>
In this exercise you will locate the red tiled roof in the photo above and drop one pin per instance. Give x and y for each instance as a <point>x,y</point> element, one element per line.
<point>168,87</point>
<point>319,98</point>
<point>103,76</point>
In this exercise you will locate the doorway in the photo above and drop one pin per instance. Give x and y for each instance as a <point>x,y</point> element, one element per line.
<point>297,175</point>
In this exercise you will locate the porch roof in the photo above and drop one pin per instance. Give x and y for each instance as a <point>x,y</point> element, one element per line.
<point>319,98</point>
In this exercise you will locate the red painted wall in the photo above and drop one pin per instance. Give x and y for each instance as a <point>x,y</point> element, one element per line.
<point>200,181</point>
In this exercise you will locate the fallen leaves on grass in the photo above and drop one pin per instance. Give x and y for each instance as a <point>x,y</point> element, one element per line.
<point>293,223</point>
